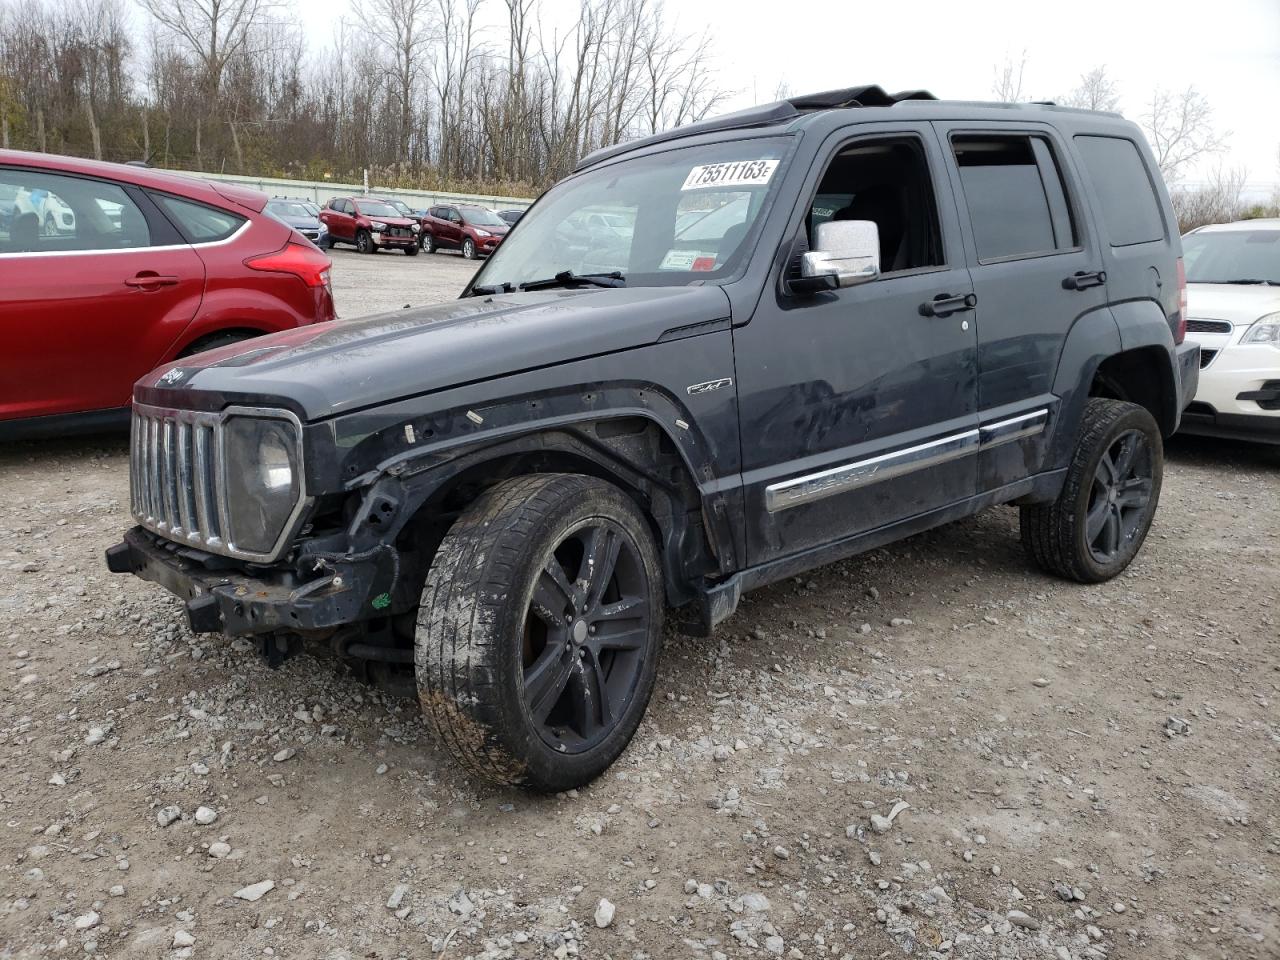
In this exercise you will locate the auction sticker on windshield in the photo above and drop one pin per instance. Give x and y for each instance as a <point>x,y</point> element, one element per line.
<point>688,260</point>
<point>739,173</point>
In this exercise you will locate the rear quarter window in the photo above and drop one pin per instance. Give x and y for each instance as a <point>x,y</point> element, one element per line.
<point>1129,206</point>
<point>199,222</point>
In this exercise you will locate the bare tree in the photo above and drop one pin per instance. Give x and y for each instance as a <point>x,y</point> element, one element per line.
<point>1006,83</point>
<point>456,56</point>
<point>1096,91</point>
<point>404,27</point>
<point>213,30</point>
<point>1180,128</point>
<point>430,93</point>
<point>1218,200</point>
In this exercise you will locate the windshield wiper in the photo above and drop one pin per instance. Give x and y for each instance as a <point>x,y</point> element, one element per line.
<point>567,278</point>
<point>1250,282</point>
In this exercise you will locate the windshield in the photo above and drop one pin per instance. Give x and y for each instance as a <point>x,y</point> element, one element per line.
<point>402,207</point>
<point>665,219</point>
<point>481,217</point>
<point>376,208</point>
<point>1232,255</point>
<point>296,210</point>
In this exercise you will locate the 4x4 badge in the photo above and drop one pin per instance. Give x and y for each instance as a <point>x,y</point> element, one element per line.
<point>708,385</point>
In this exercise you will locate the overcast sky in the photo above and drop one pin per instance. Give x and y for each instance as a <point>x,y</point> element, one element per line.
<point>1228,49</point>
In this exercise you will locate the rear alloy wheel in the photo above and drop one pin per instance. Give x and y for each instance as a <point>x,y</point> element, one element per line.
<point>50,226</point>
<point>539,630</point>
<point>469,249</point>
<point>364,241</point>
<point>1108,500</point>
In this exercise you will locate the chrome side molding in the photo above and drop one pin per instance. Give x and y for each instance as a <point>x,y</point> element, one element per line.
<point>1015,428</point>
<point>862,473</point>
<point>886,466</point>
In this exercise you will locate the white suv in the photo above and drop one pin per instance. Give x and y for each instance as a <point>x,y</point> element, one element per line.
<point>1233,312</point>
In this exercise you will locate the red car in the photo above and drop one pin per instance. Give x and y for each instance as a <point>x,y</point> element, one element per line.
<point>142,267</point>
<point>476,231</point>
<point>370,224</point>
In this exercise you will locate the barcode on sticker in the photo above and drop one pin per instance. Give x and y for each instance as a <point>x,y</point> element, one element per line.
<point>739,173</point>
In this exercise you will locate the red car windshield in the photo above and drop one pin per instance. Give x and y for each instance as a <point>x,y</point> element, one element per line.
<point>482,217</point>
<point>376,208</point>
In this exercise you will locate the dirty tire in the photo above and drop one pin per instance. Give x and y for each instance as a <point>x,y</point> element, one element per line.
<point>1059,537</point>
<point>411,251</point>
<point>487,599</point>
<point>364,242</point>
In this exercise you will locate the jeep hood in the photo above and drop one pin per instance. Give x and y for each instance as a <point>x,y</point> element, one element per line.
<point>333,368</point>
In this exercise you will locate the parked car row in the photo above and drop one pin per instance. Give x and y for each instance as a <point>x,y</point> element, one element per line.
<point>371,224</point>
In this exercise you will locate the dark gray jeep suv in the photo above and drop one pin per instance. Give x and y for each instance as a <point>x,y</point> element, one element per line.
<point>799,332</point>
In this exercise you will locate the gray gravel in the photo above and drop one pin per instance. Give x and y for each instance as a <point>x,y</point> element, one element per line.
<point>364,284</point>
<point>813,781</point>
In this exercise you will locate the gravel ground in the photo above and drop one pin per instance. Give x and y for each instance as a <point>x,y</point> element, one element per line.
<point>929,751</point>
<point>365,284</point>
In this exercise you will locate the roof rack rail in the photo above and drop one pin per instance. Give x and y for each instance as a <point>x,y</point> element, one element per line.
<point>764,115</point>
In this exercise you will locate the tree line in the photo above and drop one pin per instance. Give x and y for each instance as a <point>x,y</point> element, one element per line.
<point>470,94</point>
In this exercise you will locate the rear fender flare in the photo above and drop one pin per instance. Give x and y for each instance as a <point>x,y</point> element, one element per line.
<point>1092,338</point>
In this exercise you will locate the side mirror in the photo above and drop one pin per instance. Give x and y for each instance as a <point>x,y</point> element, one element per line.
<point>848,252</point>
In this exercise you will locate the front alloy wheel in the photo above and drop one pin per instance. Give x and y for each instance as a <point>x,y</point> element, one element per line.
<point>364,241</point>
<point>469,248</point>
<point>538,631</point>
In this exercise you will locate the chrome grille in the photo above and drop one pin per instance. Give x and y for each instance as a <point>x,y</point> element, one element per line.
<point>1197,325</point>
<point>175,475</point>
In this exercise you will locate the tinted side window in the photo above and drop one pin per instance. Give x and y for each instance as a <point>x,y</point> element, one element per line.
<point>1130,208</point>
<point>44,212</point>
<point>200,223</point>
<point>1017,205</point>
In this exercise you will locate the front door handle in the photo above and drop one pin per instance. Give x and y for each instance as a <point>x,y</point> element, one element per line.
<point>1084,279</point>
<point>150,280</point>
<point>945,304</point>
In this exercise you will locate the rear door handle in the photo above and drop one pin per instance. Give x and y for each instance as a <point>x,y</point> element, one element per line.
<point>945,304</point>
<point>148,280</point>
<point>1084,279</point>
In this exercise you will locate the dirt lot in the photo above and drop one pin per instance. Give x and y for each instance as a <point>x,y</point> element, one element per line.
<point>365,284</point>
<point>1054,808</point>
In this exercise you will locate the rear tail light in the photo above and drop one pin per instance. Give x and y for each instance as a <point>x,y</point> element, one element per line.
<point>300,259</point>
<point>1181,333</point>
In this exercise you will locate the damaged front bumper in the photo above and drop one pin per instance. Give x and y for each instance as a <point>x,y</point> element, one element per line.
<point>243,600</point>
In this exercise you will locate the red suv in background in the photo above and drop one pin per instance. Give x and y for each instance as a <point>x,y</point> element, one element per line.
<point>371,224</point>
<point>474,230</point>
<point>151,267</point>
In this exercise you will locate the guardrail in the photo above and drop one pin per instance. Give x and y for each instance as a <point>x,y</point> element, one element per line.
<point>319,191</point>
